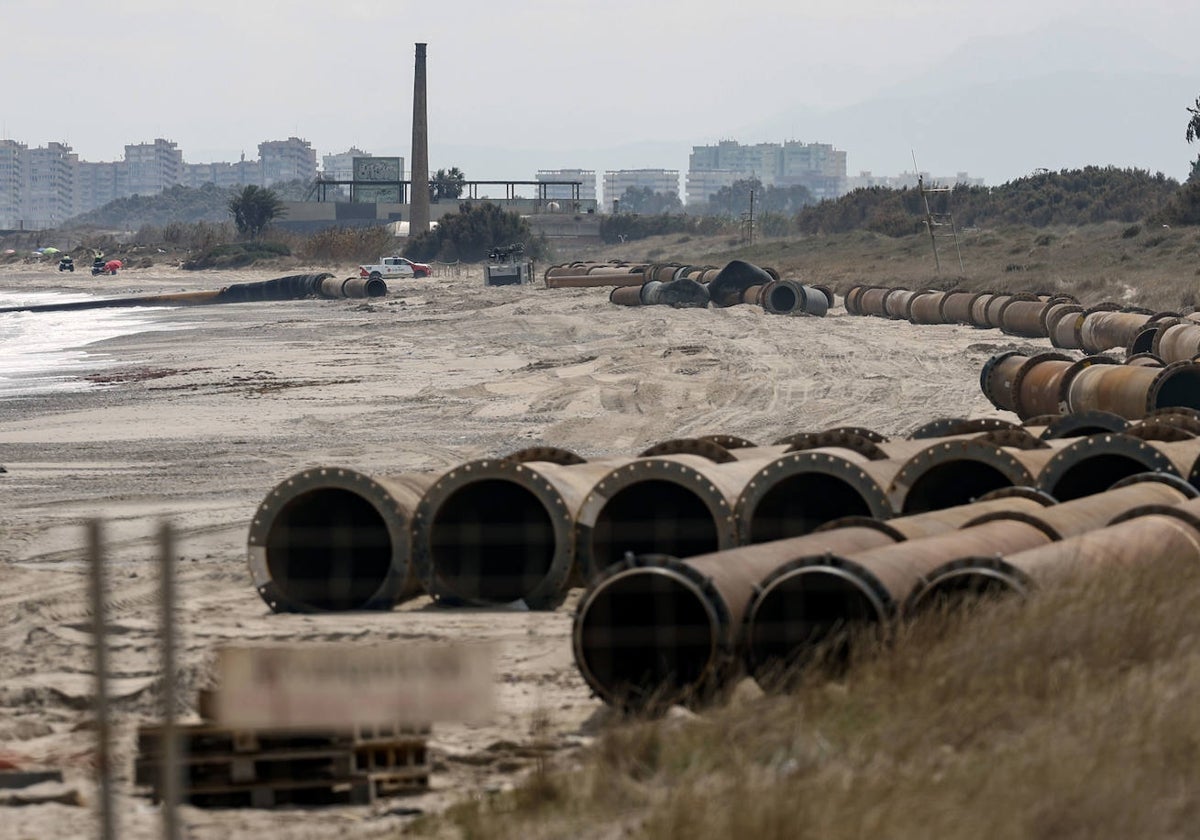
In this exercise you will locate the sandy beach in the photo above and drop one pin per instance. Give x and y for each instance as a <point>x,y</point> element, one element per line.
<point>195,417</point>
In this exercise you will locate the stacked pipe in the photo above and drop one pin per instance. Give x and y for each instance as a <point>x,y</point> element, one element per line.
<point>658,630</point>
<point>1051,383</point>
<point>739,282</point>
<point>531,524</point>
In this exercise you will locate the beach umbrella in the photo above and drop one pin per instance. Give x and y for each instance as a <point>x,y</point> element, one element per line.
<point>50,251</point>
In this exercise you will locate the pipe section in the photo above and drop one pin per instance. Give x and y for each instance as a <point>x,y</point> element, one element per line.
<point>331,539</point>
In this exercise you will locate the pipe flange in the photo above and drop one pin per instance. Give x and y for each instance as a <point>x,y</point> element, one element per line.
<point>1175,370</point>
<point>842,440</point>
<point>550,454</point>
<point>1014,439</point>
<point>1097,445</point>
<point>1184,486</point>
<point>650,469</point>
<point>1020,492</point>
<point>859,431</point>
<point>980,570</point>
<point>1083,423</point>
<point>1145,359</point>
<point>862,522</point>
<point>1162,431</point>
<point>948,426</point>
<point>784,468</point>
<point>1172,511</point>
<point>716,611</point>
<point>703,447</point>
<point>988,371</point>
<point>549,591</point>
<point>729,441</point>
<point>935,455</point>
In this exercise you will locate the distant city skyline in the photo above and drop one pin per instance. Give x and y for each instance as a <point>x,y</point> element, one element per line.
<point>997,90</point>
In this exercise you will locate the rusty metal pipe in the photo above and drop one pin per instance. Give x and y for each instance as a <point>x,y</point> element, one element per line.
<point>655,630</point>
<point>1177,343</point>
<point>895,305</point>
<point>494,531</point>
<point>1064,334</point>
<point>997,376</point>
<point>1102,331</point>
<point>1095,463</point>
<point>952,472</point>
<point>680,505</point>
<point>926,307</point>
<point>332,539</point>
<point>956,306</point>
<point>1132,391</point>
<point>1037,385</point>
<point>1147,538</point>
<point>813,602</point>
<point>626,295</point>
<point>870,301</point>
<point>1023,316</point>
<point>790,297</point>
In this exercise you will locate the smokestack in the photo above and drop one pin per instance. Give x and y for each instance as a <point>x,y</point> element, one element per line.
<point>418,208</point>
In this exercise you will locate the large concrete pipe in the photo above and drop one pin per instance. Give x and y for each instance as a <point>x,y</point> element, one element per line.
<point>333,539</point>
<point>1095,463</point>
<point>1102,331</point>
<point>1148,537</point>
<point>811,601</point>
<point>494,531</point>
<point>680,505</point>
<point>953,472</point>
<point>1132,391</point>
<point>653,630</point>
<point>926,307</point>
<point>1178,343</point>
<point>791,297</point>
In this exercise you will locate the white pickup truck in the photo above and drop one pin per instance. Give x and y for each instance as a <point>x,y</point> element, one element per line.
<point>394,267</point>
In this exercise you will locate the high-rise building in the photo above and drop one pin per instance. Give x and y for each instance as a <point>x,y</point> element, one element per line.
<point>292,159</point>
<point>617,181</point>
<point>48,183</point>
<point>152,167</point>
<point>12,177</point>
<point>818,166</point>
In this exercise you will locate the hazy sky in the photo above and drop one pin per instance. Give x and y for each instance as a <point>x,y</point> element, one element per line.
<point>561,83</point>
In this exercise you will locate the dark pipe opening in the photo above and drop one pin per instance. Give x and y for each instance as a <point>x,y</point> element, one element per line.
<point>492,540</point>
<point>783,299</point>
<point>376,288</point>
<point>953,483</point>
<point>802,503</point>
<point>329,549</point>
<point>647,636</point>
<point>653,517</point>
<point>1095,475</point>
<point>1181,387</point>
<point>809,611</point>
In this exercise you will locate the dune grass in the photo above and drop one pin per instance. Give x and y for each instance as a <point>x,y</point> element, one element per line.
<point>1073,714</point>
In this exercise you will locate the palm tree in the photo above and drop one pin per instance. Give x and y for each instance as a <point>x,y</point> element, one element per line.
<point>253,209</point>
<point>447,183</point>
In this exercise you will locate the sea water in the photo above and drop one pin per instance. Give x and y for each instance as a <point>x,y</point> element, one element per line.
<point>45,352</point>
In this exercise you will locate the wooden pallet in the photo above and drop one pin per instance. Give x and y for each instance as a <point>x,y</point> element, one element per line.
<point>224,767</point>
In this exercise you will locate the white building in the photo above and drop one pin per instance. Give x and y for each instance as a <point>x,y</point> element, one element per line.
<point>617,181</point>
<point>564,192</point>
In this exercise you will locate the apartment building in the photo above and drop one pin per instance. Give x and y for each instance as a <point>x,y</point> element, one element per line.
<point>292,159</point>
<point>152,167</point>
<point>818,166</point>
<point>47,185</point>
<point>617,181</point>
<point>12,155</point>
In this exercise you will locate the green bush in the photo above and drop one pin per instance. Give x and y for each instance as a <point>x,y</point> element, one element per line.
<point>236,255</point>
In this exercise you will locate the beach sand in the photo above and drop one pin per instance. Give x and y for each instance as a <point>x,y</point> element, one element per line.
<point>196,425</point>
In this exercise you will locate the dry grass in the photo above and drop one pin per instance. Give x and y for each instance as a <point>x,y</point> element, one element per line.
<point>1151,267</point>
<point>1074,714</point>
